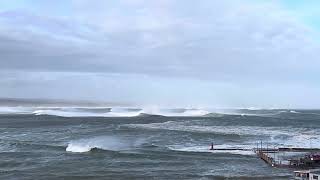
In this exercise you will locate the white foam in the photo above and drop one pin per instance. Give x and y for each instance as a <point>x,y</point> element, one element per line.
<point>195,112</point>
<point>63,113</point>
<point>295,137</point>
<point>74,147</point>
<point>182,126</point>
<point>114,111</point>
<point>75,112</point>
<point>300,139</point>
<point>176,112</point>
<point>254,108</point>
<point>124,112</point>
<point>119,112</point>
<point>15,110</point>
<point>103,142</point>
<point>206,149</point>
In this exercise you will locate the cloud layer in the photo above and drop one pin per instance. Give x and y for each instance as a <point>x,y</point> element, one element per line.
<point>244,44</point>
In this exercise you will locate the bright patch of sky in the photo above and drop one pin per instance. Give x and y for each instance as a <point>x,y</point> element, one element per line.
<point>308,11</point>
<point>56,8</point>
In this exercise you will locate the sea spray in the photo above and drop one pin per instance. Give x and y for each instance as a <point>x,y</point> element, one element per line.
<point>111,143</point>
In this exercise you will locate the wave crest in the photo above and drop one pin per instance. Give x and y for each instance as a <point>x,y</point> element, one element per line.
<point>109,143</point>
<point>133,112</point>
<point>101,112</point>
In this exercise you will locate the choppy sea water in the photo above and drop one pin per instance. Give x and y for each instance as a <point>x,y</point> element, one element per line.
<point>133,143</point>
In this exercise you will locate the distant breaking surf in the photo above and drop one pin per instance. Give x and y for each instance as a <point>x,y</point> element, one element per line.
<point>134,112</point>
<point>101,112</point>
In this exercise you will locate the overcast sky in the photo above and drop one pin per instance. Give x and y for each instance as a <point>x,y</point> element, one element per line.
<point>230,53</point>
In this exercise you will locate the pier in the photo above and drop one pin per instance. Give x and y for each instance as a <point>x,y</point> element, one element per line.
<point>309,158</point>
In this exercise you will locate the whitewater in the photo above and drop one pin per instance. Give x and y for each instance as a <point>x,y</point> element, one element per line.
<point>138,111</point>
<point>101,111</point>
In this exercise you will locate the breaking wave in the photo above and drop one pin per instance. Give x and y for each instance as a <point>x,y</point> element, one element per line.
<point>109,143</point>
<point>15,110</point>
<point>85,113</point>
<point>100,112</point>
<point>177,112</point>
<point>132,112</point>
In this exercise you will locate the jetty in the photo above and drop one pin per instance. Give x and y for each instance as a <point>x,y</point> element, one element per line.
<point>309,157</point>
<point>280,157</point>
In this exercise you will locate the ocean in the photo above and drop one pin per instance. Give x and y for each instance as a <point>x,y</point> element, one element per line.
<point>135,143</point>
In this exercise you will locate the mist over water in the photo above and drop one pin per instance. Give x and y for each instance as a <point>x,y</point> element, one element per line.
<point>122,142</point>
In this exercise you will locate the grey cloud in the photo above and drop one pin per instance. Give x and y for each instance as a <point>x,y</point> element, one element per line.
<point>211,40</point>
